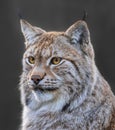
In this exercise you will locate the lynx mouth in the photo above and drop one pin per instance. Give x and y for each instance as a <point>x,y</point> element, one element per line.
<point>41,89</point>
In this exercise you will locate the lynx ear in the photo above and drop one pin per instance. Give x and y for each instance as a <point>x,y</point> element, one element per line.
<point>79,33</point>
<point>30,32</point>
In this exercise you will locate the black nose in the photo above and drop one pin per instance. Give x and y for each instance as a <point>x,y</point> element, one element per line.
<point>36,79</point>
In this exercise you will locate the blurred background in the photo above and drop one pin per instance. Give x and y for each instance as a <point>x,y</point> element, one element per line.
<point>49,15</point>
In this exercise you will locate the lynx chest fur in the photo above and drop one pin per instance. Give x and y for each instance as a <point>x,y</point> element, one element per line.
<point>61,87</point>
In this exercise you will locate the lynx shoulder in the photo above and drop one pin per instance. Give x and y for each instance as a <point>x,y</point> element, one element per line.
<point>61,87</point>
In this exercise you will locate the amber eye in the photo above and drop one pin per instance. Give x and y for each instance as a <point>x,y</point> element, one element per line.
<point>56,60</point>
<point>31,60</point>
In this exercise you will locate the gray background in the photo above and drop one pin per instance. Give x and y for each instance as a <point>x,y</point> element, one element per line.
<point>50,15</point>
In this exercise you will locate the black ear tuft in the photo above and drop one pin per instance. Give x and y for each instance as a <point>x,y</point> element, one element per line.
<point>85,15</point>
<point>20,14</point>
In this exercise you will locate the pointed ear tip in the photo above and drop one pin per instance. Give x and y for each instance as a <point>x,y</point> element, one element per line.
<point>23,24</point>
<point>81,22</point>
<point>22,21</point>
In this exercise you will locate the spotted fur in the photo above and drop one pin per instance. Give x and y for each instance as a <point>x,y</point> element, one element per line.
<point>71,95</point>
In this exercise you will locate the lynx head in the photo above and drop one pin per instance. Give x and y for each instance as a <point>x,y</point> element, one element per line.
<point>57,66</point>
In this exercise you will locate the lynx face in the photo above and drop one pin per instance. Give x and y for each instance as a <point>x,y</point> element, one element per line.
<point>57,66</point>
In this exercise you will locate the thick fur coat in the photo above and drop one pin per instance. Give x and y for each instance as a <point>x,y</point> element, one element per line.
<point>61,87</point>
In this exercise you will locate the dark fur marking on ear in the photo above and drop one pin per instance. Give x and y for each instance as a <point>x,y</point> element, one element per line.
<point>65,107</point>
<point>27,101</point>
<point>81,38</point>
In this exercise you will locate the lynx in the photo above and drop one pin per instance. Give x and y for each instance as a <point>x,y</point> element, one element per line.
<point>61,87</point>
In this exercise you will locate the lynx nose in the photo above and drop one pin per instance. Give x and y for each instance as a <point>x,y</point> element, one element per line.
<point>36,79</point>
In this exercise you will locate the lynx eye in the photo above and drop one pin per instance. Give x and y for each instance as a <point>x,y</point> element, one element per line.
<point>31,60</point>
<point>56,60</point>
